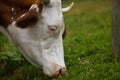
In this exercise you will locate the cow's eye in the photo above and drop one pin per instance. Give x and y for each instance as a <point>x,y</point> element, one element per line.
<point>52,29</point>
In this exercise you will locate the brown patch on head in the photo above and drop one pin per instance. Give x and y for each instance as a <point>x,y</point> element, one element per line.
<point>11,10</point>
<point>22,3</point>
<point>29,18</point>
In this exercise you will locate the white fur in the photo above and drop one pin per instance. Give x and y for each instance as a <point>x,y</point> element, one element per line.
<point>41,46</point>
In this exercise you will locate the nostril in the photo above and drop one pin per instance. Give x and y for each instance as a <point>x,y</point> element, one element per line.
<point>62,71</point>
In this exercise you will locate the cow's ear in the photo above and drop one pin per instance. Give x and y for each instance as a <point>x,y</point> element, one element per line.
<point>64,34</point>
<point>27,19</point>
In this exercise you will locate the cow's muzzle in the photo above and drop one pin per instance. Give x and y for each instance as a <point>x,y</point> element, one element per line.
<point>58,71</point>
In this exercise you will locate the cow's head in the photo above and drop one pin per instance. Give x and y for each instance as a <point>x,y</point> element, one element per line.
<point>37,34</point>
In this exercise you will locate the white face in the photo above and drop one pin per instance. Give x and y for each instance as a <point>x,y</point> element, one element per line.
<point>41,44</point>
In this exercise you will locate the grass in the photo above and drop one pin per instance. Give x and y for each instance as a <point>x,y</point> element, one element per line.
<point>87,48</point>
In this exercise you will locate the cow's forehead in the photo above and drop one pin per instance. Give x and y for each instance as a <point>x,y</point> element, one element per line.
<point>55,2</point>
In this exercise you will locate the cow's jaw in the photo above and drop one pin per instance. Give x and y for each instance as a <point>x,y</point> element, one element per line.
<point>41,44</point>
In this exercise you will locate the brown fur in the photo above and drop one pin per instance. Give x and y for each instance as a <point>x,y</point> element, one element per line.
<point>7,15</point>
<point>30,18</point>
<point>21,3</point>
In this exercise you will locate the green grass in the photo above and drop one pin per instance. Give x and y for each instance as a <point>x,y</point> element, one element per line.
<point>87,48</point>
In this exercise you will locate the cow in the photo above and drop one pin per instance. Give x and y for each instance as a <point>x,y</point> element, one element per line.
<point>36,28</point>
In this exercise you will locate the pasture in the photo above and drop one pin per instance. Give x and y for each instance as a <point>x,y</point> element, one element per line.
<point>87,47</point>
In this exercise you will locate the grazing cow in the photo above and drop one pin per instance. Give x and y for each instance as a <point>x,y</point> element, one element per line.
<point>36,27</point>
